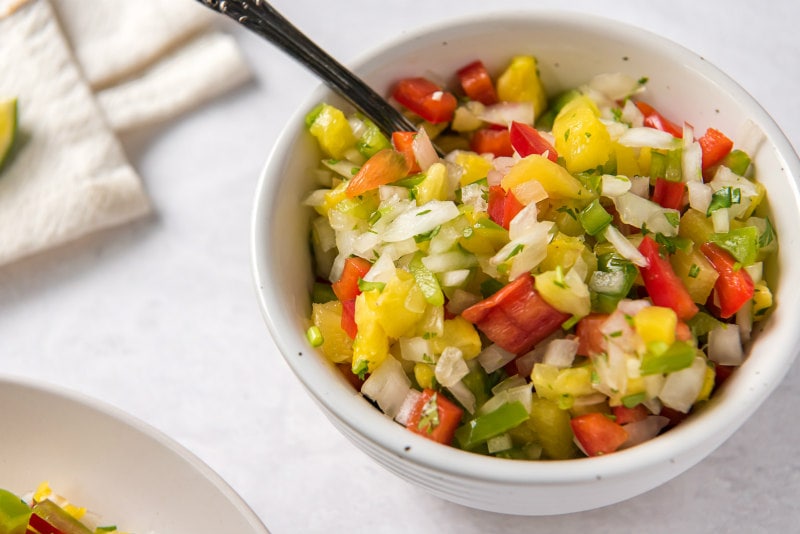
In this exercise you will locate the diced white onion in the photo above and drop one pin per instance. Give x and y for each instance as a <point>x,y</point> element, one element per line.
<point>403,414</point>
<point>644,430</point>
<point>499,443</point>
<point>749,138</point>
<point>756,271</point>
<point>325,235</point>
<point>316,198</point>
<point>454,278</point>
<point>388,385</point>
<point>451,367</point>
<point>473,195</point>
<point>721,220</point>
<point>640,186</point>
<point>510,382</point>
<point>504,113</point>
<point>632,307</point>
<point>460,301</point>
<point>744,320</point>
<point>725,345</point>
<point>615,85</point>
<point>383,270</point>
<point>463,395</point>
<point>638,211</point>
<point>420,220</point>
<point>416,349</point>
<point>631,114</point>
<point>522,394</point>
<point>561,352</point>
<point>624,247</point>
<point>681,388</point>
<point>423,150</point>
<point>342,167</point>
<point>699,196</point>
<point>642,137</point>
<point>448,261</point>
<point>614,186</point>
<point>494,357</point>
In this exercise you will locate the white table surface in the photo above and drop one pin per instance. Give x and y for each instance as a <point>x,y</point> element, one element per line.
<point>160,318</point>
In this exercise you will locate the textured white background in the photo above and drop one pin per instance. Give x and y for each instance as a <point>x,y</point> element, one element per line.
<point>160,319</point>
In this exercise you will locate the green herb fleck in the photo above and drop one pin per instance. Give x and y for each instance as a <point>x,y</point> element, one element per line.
<point>725,197</point>
<point>694,270</point>
<point>423,212</point>
<point>361,369</point>
<point>429,415</point>
<point>365,285</point>
<point>516,250</point>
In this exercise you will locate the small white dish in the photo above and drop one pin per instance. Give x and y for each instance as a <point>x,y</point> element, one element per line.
<point>119,468</point>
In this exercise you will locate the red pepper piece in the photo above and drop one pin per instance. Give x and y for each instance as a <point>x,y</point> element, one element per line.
<point>663,286</point>
<point>403,142</point>
<point>527,140</point>
<point>734,287</point>
<point>669,194</point>
<point>598,434</point>
<point>715,146</point>
<point>516,317</point>
<point>384,167</point>
<point>492,140</point>
<point>477,83</point>
<point>440,426</point>
<point>346,287</point>
<point>426,99</point>
<point>654,119</point>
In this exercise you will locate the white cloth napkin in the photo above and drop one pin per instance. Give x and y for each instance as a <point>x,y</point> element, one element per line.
<point>83,71</point>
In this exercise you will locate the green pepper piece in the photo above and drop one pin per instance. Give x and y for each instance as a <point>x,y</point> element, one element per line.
<point>702,323</point>
<point>372,140</point>
<point>612,271</point>
<point>426,281</point>
<point>677,356</point>
<point>594,218</point>
<point>492,424</point>
<point>476,381</point>
<point>14,514</point>
<point>737,161</point>
<point>322,293</point>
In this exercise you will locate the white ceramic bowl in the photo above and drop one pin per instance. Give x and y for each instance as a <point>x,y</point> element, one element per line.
<point>571,49</point>
<point>128,473</point>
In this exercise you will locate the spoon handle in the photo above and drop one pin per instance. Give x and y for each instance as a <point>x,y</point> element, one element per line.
<point>261,18</point>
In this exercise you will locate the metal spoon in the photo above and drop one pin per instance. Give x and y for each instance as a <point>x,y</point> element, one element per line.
<point>264,20</point>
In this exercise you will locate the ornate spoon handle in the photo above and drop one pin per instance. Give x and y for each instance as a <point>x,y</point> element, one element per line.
<point>261,18</point>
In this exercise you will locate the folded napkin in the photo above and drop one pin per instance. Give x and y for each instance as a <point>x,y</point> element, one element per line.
<point>83,71</point>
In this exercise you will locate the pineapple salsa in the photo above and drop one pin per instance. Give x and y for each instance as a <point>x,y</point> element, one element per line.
<point>574,277</point>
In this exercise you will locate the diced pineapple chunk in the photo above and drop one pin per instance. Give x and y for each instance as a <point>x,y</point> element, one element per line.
<point>520,83</point>
<point>656,324</point>
<point>580,137</point>
<point>337,345</point>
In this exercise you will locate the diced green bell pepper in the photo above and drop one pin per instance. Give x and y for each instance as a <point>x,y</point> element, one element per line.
<point>14,514</point>
<point>660,359</point>
<point>742,243</point>
<point>484,427</point>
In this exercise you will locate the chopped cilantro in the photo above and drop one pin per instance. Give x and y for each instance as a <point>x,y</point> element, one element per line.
<point>725,197</point>
<point>694,270</point>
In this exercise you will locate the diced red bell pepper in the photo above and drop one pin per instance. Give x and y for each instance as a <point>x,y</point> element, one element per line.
<point>515,317</point>
<point>722,373</point>
<point>598,434</point>
<point>492,140</point>
<point>384,167</point>
<point>346,287</point>
<point>403,142</point>
<point>654,119</point>
<point>624,415</point>
<point>426,99</point>
<point>715,146</point>
<point>663,286</point>
<point>675,417</point>
<point>439,426</point>
<point>527,140</point>
<point>348,321</point>
<point>502,206</point>
<point>41,526</point>
<point>733,287</point>
<point>477,83</point>
<point>591,340</point>
<point>669,194</point>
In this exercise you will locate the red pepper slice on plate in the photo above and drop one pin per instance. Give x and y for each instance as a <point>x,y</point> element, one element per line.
<point>598,434</point>
<point>715,146</point>
<point>527,140</point>
<point>495,141</point>
<point>624,415</point>
<point>384,167</point>
<point>663,286</point>
<point>734,287</point>
<point>591,339</point>
<point>654,119</point>
<point>669,194</point>
<point>477,83</point>
<point>516,317</point>
<point>403,142</point>
<point>434,417</point>
<point>426,99</point>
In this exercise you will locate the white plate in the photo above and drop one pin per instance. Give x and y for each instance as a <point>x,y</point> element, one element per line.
<point>130,474</point>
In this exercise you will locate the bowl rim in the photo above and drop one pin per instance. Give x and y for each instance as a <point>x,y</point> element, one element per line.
<point>675,446</point>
